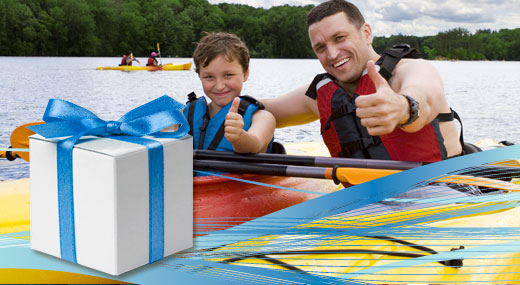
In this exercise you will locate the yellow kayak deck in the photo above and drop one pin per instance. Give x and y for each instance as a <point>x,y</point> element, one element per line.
<point>165,67</point>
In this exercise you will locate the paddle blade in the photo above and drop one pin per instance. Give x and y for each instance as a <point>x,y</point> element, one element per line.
<point>20,138</point>
<point>356,176</point>
<point>479,181</point>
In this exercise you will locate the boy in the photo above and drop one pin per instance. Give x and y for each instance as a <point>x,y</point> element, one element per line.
<point>230,122</point>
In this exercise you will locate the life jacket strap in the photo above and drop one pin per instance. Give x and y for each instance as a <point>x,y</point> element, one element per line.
<point>391,57</point>
<point>339,112</point>
<point>446,117</point>
<point>349,148</point>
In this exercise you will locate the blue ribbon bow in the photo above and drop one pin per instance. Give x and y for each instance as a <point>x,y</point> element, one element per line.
<point>65,119</point>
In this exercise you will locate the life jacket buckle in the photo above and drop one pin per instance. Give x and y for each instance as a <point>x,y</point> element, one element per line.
<point>348,108</point>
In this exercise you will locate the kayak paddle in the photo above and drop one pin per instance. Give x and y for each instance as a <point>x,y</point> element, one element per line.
<point>349,175</point>
<point>20,142</point>
<point>159,50</point>
<point>305,160</point>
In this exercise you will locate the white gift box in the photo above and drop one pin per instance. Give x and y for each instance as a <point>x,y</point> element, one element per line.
<point>111,200</point>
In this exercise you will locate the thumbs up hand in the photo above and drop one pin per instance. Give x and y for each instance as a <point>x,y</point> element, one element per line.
<point>234,124</point>
<point>382,111</point>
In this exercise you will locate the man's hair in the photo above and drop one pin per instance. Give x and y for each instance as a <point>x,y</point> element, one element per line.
<point>214,44</point>
<point>332,7</point>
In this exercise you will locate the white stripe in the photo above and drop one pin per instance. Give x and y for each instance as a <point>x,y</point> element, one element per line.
<point>366,72</point>
<point>323,82</point>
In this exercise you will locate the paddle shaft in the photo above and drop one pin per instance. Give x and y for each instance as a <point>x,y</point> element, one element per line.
<point>305,160</point>
<point>348,175</point>
<point>159,50</point>
<point>263,169</point>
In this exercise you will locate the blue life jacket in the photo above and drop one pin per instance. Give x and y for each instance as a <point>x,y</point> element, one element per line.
<point>208,133</point>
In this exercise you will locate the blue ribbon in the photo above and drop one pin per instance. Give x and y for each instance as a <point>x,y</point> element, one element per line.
<point>65,119</point>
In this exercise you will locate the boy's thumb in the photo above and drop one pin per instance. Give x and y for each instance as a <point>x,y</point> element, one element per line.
<point>234,105</point>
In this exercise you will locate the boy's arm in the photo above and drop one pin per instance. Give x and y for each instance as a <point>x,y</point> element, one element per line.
<point>257,138</point>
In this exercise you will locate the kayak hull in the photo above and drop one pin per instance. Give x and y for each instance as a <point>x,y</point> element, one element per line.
<point>165,67</point>
<point>220,203</point>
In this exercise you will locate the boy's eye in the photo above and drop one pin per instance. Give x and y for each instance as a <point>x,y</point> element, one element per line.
<point>228,75</point>
<point>208,77</point>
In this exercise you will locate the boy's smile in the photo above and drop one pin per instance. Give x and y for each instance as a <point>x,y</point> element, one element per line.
<point>222,81</point>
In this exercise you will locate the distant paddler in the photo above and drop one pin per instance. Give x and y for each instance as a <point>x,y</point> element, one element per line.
<point>152,60</point>
<point>128,58</point>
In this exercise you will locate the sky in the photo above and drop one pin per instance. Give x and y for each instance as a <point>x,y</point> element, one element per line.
<point>420,17</point>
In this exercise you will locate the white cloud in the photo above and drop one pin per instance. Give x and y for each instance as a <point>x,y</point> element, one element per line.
<point>419,17</point>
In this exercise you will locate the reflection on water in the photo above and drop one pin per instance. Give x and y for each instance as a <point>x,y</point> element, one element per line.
<point>483,93</point>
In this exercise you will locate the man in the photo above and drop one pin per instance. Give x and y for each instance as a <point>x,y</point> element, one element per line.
<point>394,119</point>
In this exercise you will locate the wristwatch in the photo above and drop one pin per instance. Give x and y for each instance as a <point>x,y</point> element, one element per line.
<point>414,110</point>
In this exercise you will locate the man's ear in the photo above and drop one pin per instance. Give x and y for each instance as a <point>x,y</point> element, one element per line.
<point>366,33</point>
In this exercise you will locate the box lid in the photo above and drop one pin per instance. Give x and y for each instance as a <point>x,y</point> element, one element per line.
<point>108,146</point>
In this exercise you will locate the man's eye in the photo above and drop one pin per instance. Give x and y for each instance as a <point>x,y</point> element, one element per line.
<point>319,49</point>
<point>340,38</point>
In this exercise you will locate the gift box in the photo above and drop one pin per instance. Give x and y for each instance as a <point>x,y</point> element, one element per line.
<point>117,203</point>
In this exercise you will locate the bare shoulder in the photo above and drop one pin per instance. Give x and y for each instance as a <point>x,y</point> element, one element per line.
<point>413,71</point>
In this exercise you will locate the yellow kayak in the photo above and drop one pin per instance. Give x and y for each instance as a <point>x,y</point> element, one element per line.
<point>459,239</point>
<point>475,249</point>
<point>165,67</point>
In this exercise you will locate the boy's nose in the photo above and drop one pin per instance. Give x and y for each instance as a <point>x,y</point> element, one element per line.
<point>220,84</point>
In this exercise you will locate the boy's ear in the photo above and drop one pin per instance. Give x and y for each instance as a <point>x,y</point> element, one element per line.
<point>246,75</point>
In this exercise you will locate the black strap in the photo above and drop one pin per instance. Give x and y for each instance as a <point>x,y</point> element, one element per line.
<point>203,128</point>
<point>391,57</point>
<point>349,148</point>
<point>446,117</point>
<point>191,112</point>
<point>338,113</point>
<point>192,97</point>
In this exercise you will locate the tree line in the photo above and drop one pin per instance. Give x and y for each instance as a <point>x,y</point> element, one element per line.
<point>111,27</point>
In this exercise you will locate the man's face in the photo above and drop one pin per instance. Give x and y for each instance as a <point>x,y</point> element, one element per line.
<point>341,47</point>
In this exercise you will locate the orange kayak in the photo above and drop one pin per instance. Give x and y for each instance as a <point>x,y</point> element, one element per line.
<point>220,203</point>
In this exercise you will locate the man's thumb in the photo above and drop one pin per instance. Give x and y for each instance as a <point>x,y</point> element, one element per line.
<point>234,105</point>
<point>374,74</point>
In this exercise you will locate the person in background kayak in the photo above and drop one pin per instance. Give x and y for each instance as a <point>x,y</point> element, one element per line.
<point>152,60</point>
<point>128,58</point>
<point>362,114</point>
<point>229,122</point>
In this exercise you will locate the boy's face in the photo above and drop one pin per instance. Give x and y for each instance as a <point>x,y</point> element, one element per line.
<point>222,80</point>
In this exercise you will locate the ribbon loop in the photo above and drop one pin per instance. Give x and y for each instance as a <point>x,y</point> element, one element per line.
<point>67,119</point>
<point>113,127</point>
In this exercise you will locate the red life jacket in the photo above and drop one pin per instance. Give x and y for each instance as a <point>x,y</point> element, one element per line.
<point>123,60</point>
<point>345,136</point>
<point>151,61</point>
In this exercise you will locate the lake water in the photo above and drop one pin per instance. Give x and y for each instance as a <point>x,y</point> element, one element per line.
<point>483,93</point>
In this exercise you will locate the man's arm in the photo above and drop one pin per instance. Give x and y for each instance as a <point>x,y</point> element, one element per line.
<point>293,108</point>
<point>384,110</point>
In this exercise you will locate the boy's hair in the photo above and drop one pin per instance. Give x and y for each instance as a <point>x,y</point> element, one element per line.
<point>214,44</point>
<point>332,7</point>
